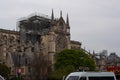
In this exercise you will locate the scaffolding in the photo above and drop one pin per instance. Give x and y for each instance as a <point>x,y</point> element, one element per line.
<point>31,28</point>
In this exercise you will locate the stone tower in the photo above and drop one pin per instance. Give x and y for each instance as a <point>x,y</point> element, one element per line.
<point>51,34</point>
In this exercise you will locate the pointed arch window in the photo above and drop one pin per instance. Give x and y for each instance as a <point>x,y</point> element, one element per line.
<point>61,43</point>
<point>61,27</point>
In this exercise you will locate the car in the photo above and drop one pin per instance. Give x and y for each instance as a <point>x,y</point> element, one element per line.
<point>91,76</point>
<point>1,78</point>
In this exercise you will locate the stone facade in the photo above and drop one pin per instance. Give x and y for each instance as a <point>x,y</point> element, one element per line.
<point>113,60</point>
<point>103,61</point>
<point>36,34</point>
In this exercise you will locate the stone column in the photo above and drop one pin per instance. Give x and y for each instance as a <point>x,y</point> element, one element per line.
<point>51,50</point>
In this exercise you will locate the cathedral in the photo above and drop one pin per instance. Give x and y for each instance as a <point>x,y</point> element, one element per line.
<point>36,33</point>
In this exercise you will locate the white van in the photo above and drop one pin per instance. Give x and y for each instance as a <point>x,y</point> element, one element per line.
<point>1,78</point>
<point>91,76</point>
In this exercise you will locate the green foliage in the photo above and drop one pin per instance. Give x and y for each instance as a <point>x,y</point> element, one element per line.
<point>70,60</point>
<point>59,73</point>
<point>4,70</point>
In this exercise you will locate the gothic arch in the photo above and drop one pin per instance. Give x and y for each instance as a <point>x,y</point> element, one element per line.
<point>11,38</point>
<point>61,42</point>
<point>4,37</point>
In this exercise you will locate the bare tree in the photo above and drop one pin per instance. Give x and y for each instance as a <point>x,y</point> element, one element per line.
<point>39,67</point>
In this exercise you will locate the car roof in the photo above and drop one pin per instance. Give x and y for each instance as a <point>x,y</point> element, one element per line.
<point>91,74</point>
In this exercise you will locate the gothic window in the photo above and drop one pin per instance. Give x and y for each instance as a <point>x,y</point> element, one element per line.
<point>32,49</point>
<point>32,37</point>
<point>12,39</point>
<point>61,42</point>
<point>18,41</point>
<point>26,62</point>
<point>5,39</point>
<point>61,27</point>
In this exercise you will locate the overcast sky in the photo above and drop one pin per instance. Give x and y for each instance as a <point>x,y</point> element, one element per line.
<point>95,23</point>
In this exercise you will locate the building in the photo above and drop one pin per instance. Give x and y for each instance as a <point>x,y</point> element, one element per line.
<point>36,34</point>
<point>105,62</point>
<point>113,60</point>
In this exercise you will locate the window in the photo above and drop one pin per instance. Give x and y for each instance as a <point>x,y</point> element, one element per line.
<point>82,78</point>
<point>101,78</point>
<point>73,78</point>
